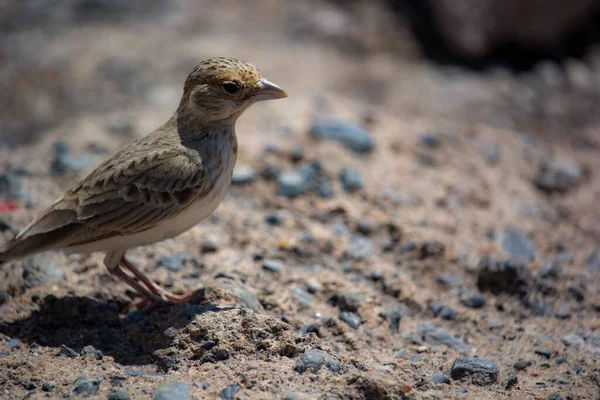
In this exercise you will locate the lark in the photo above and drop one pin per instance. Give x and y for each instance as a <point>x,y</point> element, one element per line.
<point>159,186</point>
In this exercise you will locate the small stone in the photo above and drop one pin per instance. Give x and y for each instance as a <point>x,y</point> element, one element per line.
<point>65,162</point>
<point>504,277</point>
<point>554,267</point>
<point>293,183</point>
<point>359,249</point>
<point>558,175</point>
<point>347,300</point>
<point>67,351</point>
<point>173,262</point>
<point>209,244</point>
<point>172,391</point>
<point>439,379</point>
<point>314,359</point>
<point>433,335</point>
<point>313,286</point>
<point>495,324</point>
<point>243,174</point>
<point>297,396</point>
<point>593,261</point>
<point>324,189</point>
<point>443,311</point>
<point>555,396</point>
<point>520,247</point>
<point>450,280</point>
<point>11,186</point>
<point>14,344</point>
<point>273,219</point>
<point>38,270</point>
<point>563,313</point>
<point>482,372</point>
<point>302,296</point>
<point>351,179</point>
<point>430,140</point>
<point>521,364</point>
<point>351,136</point>
<point>47,387</point>
<point>87,386</point>
<point>572,339</point>
<point>229,392</point>
<point>476,300</point>
<point>271,265</point>
<point>365,228</point>
<point>543,352</point>
<point>310,328</point>
<point>351,319</point>
<point>510,382</point>
<point>576,292</point>
<point>431,250</point>
<point>118,394</point>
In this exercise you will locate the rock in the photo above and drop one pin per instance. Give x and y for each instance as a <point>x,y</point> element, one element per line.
<point>314,359</point>
<point>593,261</point>
<point>351,136</point>
<point>431,250</point>
<point>297,396</point>
<point>482,372</point>
<point>271,265</point>
<point>365,228</point>
<point>554,267</point>
<point>394,316</point>
<point>173,262</point>
<point>273,219</point>
<point>511,381</point>
<point>520,247</point>
<point>504,277</point>
<point>443,311</point>
<point>439,379</point>
<point>347,300</point>
<point>65,162</point>
<point>237,290</point>
<point>243,174</point>
<point>14,344</point>
<point>563,313</point>
<point>450,280</point>
<point>476,32</point>
<point>572,339</point>
<point>430,140</point>
<point>11,186</point>
<point>87,386</point>
<point>555,396</point>
<point>521,364</point>
<point>352,319</point>
<point>558,175</point>
<point>229,392</point>
<point>351,179</point>
<point>359,249</point>
<point>209,244</point>
<point>431,334</point>
<point>302,296</point>
<point>543,352</point>
<point>324,189</point>
<point>313,286</point>
<point>5,226</point>
<point>118,394</point>
<point>172,391</point>
<point>475,300</point>
<point>292,184</point>
<point>69,352</point>
<point>39,269</point>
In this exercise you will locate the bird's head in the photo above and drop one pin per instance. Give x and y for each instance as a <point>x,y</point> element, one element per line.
<point>220,89</point>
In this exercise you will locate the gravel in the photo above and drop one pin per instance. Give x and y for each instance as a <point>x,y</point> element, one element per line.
<point>351,136</point>
<point>312,360</point>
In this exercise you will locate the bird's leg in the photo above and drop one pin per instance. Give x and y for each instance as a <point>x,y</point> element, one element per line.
<point>155,289</point>
<point>112,261</point>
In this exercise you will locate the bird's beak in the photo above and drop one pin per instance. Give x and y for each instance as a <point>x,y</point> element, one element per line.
<point>268,91</point>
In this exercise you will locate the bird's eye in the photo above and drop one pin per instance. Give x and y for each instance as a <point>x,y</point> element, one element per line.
<point>231,87</point>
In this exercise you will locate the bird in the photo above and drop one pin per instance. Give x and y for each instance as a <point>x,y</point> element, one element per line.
<point>157,186</point>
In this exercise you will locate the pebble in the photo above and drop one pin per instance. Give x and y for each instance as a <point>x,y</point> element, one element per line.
<point>572,339</point>
<point>292,184</point>
<point>314,359</point>
<point>519,246</point>
<point>511,381</point>
<point>69,352</point>
<point>359,248</point>
<point>432,335</point>
<point>439,379</point>
<point>347,300</point>
<point>11,186</point>
<point>432,249</point>
<point>173,262</point>
<point>504,277</point>
<point>14,344</point>
<point>91,350</point>
<point>65,162</point>
<point>593,261</point>
<point>172,391</point>
<point>482,372</point>
<point>476,300</point>
<point>87,386</point>
<point>430,140</point>
<point>209,244</point>
<point>554,267</point>
<point>243,174</point>
<point>313,286</point>
<point>563,313</point>
<point>353,137</point>
<point>555,396</point>
<point>352,319</point>
<point>38,270</point>
<point>271,265</point>
<point>229,392</point>
<point>297,396</point>
<point>521,364</point>
<point>118,394</point>
<point>394,316</point>
<point>351,179</point>
<point>543,352</point>
<point>450,280</point>
<point>273,219</point>
<point>558,175</point>
<point>324,189</point>
<point>302,296</point>
<point>443,311</point>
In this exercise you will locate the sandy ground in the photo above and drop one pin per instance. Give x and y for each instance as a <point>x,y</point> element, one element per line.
<point>475,231</point>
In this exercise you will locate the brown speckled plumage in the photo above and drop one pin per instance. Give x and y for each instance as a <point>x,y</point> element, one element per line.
<point>153,181</point>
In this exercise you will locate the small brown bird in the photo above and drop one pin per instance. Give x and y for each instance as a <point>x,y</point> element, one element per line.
<point>158,186</point>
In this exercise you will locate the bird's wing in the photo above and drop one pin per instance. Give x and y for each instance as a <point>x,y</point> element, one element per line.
<point>129,193</point>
